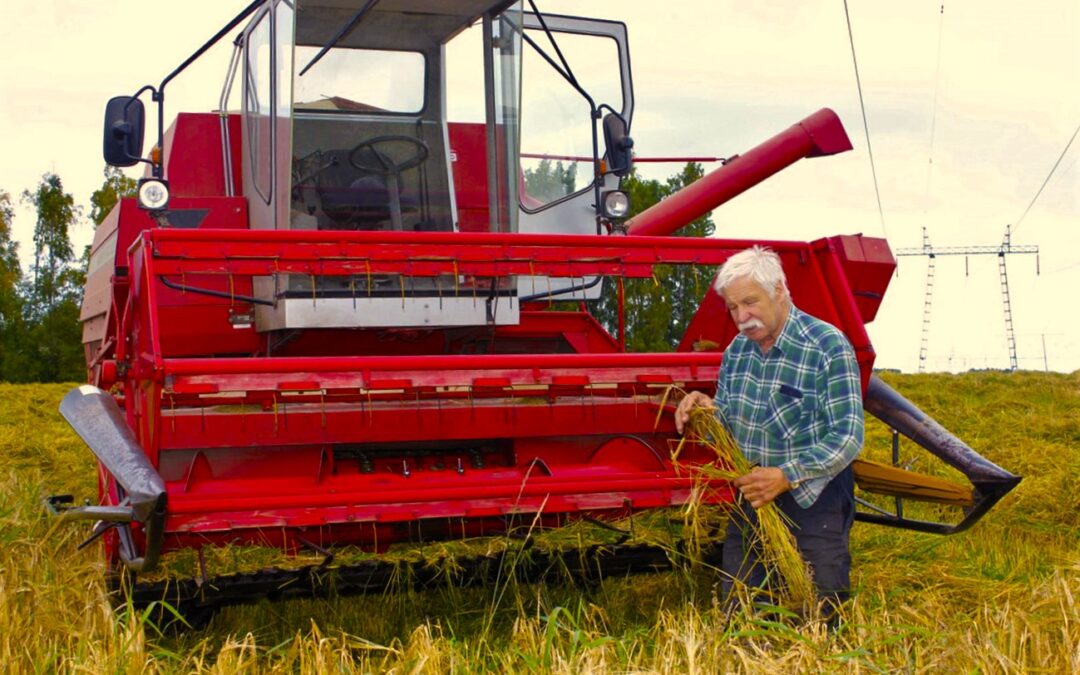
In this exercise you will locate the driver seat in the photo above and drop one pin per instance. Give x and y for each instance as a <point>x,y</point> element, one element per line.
<point>350,198</point>
<point>341,196</point>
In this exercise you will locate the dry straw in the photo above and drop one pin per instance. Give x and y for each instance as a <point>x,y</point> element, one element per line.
<point>770,534</point>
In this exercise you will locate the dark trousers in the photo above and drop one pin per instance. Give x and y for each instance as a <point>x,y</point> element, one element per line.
<point>821,532</point>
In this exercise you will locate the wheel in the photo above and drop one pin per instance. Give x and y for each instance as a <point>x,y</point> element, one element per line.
<point>386,166</point>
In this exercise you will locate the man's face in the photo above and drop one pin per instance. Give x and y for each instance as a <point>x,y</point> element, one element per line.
<point>757,313</point>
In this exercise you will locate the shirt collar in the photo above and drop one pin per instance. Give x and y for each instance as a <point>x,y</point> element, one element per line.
<point>786,338</point>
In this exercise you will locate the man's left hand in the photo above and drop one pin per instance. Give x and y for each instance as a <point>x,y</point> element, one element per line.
<point>762,485</point>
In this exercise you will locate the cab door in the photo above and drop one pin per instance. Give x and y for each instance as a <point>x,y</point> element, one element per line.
<point>569,81</point>
<point>266,137</point>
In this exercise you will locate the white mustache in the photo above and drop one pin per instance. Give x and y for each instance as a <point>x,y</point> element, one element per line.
<point>752,323</point>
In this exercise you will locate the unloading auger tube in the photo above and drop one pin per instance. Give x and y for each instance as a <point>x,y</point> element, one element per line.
<point>990,481</point>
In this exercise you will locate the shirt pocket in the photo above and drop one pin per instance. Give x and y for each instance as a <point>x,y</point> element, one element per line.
<point>786,412</point>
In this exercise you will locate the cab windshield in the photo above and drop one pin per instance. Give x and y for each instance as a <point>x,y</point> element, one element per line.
<point>372,148</point>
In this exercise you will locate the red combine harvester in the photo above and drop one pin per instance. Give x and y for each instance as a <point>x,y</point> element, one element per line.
<point>327,317</point>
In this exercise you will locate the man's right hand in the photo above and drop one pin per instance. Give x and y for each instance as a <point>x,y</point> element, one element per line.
<point>694,399</point>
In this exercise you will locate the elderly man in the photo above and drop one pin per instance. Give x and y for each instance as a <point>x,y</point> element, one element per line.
<point>790,394</point>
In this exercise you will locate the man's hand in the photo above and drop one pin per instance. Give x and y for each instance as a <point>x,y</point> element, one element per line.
<point>694,399</point>
<point>762,485</point>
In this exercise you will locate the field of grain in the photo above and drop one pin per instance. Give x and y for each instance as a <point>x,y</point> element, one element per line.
<point>1002,597</point>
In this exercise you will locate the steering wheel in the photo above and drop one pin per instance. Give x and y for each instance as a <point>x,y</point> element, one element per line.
<point>388,166</point>
<point>388,169</point>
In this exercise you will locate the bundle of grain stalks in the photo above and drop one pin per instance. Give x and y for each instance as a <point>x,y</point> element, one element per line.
<point>770,534</point>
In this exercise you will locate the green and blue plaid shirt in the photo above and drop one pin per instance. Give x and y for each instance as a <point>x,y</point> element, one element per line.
<point>797,407</point>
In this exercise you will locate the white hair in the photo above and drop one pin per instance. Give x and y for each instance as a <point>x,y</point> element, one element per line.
<point>757,263</point>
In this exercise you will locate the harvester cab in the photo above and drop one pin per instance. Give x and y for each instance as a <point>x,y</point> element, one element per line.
<point>326,319</point>
<point>345,125</point>
<point>360,107</point>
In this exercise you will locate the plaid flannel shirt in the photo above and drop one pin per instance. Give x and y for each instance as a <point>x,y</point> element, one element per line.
<point>797,407</point>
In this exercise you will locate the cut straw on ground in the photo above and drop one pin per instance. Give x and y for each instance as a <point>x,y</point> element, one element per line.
<point>1003,596</point>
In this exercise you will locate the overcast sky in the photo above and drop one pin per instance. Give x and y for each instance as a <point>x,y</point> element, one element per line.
<point>993,113</point>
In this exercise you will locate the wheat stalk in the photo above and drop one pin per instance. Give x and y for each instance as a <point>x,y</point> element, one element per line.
<point>770,532</point>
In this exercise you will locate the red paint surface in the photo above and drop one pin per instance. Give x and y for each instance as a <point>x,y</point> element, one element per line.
<point>370,436</point>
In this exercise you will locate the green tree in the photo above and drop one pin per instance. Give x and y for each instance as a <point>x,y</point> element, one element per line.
<point>56,212</point>
<point>10,272</point>
<point>12,328</point>
<point>549,182</point>
<point>53,349</point>
<point>116,186</point>
<point>658,310</point>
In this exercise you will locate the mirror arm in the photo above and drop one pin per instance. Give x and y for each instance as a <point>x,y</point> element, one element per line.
<point>565,74</point>
<point>121,129</point>
<point>551,38</point>
<point>244,13</point>
<point>158,95</point>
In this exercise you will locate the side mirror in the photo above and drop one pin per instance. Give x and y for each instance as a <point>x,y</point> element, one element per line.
<point>124,118</point>
<point>618,144</point>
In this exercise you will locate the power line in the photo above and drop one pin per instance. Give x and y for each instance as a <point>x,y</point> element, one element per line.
<point>1052,170</point>
<point>933,110</point>
<point>1064,268</point>
<point>866,126</point>
<point>1005,248</point>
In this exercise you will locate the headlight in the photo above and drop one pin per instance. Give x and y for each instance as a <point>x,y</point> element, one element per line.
<point>616,204</point>
<point>153,194</point>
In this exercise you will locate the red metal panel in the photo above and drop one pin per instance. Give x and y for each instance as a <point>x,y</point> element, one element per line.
<point>468,156</point>
<point>203,329</point>
<point>430,419</point>
<point>579,330</point>
<point>287,488</point>
<point>221,213</point>
<point>430,501</point>
<point>868,266</point>
<point>189,323</point>
<point>850,320</point>
<point>362,435</point>
<point>432,253</point>
<point>194,155</point>
<point>430,368</point>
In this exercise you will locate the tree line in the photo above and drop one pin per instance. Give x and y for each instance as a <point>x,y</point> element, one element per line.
<point>657,310</point>
<point>40,333</point>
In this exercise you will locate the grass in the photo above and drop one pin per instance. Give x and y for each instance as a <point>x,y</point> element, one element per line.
<point>1002,597</point>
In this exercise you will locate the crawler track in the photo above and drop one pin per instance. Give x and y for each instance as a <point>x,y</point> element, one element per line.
<point>198,600</point>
